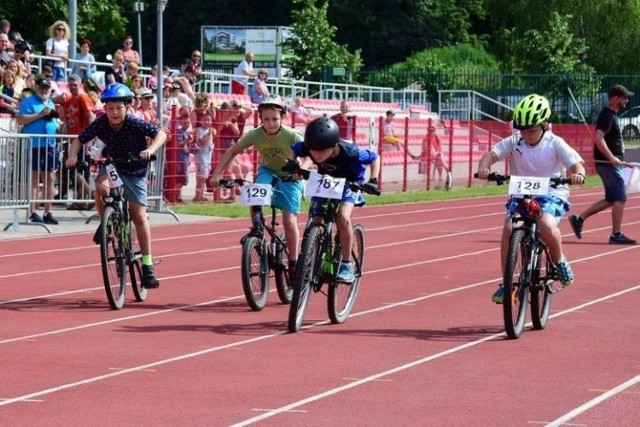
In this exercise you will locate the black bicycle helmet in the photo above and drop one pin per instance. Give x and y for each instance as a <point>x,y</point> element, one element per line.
<point>273,101</point>
<point>321,134</point>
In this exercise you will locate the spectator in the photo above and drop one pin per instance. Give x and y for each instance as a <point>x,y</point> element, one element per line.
<point>299,112</point>
<point>152,81</point>
<point>260,89</point>
<point>5,27</point>
<point>345,122</point>
<point>77,114</point>
<point>85,65</point>
<point>115,73</point>
<point>56,93</point>
<point>22,54</point>
<point>133,79</point>
<point>5,56</point>
<point>18,81</point>
<point>230,133</point>
<point>201,109</point>
<point>58,46</point>
<point>204,140</point>
<point>390,142</point>
<point>185,139</point>
<point>8,90</point>
<point>128,53</point>
<point>147,112</point>
<point>196,61</point>
<point>38,116</point>
<point>432,152</point>
<point>241,75</point>
<point>608,153</point>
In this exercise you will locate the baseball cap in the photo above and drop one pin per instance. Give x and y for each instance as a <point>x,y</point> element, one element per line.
<point>619,90</point>
<point>144,93</point>
<point>42,81</point>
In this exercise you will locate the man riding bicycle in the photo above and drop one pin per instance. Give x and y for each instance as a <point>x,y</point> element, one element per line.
<point>272,140</point>
<point>535,151</point>
<point>340,159</point>
<point>124,135</point>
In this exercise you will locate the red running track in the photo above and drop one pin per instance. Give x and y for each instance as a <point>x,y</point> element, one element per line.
<point>424,345</point>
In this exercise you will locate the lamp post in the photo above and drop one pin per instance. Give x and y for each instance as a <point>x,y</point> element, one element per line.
<point>159,75</point>
<point>138,8</point>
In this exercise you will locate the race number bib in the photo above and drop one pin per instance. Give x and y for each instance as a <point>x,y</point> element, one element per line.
<point>529,185</point>
<point>324,186</point>
<point>256,194</point>
<point>114,178</point>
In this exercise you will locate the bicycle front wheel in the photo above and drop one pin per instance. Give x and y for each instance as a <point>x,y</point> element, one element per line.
<point>342,296</point>
<point>255,273</point>
<point>284,283</point>
<point>306,276</point>
<point>515,285</point>
<point>113,257</point>
<point>541,295</point>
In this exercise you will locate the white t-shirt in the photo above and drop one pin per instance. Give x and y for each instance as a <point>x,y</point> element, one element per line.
<point>240,71</point>
<point>58,47</point>
<point>549,158</point>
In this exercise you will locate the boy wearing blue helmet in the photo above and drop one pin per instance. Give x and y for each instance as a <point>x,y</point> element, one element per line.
<point>123,134</point>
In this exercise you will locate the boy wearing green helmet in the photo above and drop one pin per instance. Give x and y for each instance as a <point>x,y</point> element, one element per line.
<point>536,152</point>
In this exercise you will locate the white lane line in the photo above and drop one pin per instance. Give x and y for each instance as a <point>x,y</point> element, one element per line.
<point>594,402</point>
<point>331,392</point>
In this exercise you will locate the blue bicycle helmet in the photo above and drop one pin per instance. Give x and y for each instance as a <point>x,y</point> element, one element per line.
<point>117,92</point>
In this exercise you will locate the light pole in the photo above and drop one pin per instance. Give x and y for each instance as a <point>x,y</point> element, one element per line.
<point>159,75</point>
<point>138,7</point>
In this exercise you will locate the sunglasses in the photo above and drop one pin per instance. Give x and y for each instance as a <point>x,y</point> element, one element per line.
<point>60,29</point>
<point>128,42</point>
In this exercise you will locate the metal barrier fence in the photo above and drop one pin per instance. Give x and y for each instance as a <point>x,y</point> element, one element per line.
<point>25,190</point>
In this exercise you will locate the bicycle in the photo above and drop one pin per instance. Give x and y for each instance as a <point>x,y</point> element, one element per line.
<point>119,249</point>
<point>530,276</point>
<point>264,249</point>
<point>319,261</point>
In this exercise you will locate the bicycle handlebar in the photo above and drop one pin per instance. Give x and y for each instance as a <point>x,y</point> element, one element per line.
<point>113,160</point>
<point>501,179</point>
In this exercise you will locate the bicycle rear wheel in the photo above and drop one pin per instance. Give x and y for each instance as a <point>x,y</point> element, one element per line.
<point>255,273</point>
<point>135,267</point>
<point>112,254</point>
<point>342,296</point>
<point>306,275</point>
<point>284,283</point>
<point>540,294</point>
<point>515,285</point>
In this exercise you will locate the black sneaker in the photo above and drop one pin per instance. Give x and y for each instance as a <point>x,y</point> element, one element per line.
<point>49,219</point>
<point>97,236</point>
<point>35,218</point>
<point>149,280</point>
<point>621,239</point>
<point>576,225</point>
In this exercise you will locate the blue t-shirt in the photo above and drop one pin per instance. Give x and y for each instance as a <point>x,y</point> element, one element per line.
<point>43,126</point>
<point>132,138</point>
<point>350,163</point>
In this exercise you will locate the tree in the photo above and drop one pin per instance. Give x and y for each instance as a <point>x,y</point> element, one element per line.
<point>313,45</point>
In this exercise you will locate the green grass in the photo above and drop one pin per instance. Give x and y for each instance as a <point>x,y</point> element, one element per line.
<point>234,210</point>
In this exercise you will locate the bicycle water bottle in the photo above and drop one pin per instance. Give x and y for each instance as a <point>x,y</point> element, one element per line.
<point>327,265</point>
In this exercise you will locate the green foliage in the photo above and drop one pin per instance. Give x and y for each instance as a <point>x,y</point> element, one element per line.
<point>312,44</point>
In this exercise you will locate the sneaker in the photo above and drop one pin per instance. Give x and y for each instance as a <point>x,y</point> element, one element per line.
<point>565,273</point>
<point>49,219</point>
<point>621,239</point>
<point>576,225</point>
<point>35,218</point>
<point>149,280</point>
<point>97,236</point>
<point>345,273</point>
<point>498,295</point>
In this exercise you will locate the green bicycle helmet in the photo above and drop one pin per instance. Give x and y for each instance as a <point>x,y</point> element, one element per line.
<point>531,111</point>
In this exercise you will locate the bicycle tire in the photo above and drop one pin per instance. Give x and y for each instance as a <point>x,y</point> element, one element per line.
<point>342,297</point>
<point>541,296</point>
<point>515,289</point>
<point>135,267</point>
<point>281,270</point>
<point>255,273</point>
<point>113,258</point>
<point>306,274</point>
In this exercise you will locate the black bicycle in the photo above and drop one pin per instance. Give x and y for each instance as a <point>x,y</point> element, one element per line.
<point>318,263</point>
<point>119,248</point>
<point>530,276</point>
<point>264,249</point>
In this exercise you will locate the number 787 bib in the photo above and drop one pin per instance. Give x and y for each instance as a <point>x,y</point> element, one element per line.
<point>324,186</point>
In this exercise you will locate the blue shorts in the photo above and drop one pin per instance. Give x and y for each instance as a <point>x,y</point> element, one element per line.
<point>59,74</point>
<point>45,159</point>
<point>135,187</point>
<point>287,195</point>
<point>552,205</point>
<point>348,195</point>
<point>613,182</point>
